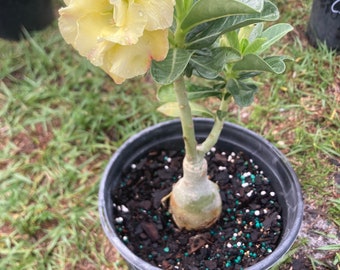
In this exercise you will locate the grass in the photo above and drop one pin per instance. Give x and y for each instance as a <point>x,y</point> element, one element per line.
<point>61,119</point>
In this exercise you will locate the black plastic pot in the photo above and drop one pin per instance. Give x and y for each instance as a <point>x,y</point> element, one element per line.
<point>29,14</point>
<point>324,23</point>
<point>233,138</point>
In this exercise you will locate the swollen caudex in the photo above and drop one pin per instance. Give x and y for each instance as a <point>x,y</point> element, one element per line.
<point>195,204</point>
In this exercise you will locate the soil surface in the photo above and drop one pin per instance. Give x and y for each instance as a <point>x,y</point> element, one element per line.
<point>248,230</point>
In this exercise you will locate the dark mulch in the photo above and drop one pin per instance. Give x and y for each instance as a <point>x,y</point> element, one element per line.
<point>248,230</point>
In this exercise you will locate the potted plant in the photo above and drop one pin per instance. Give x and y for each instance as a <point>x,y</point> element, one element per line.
<point>324,23</point>
<point>29,14</point>
<point>193,50</point>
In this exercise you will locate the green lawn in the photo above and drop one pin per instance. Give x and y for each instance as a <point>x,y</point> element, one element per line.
<point>61,119</point>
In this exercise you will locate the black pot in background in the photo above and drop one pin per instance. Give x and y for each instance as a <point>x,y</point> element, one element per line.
<point>324,23</point>
<point>234,138</point>
<point>30,14</point>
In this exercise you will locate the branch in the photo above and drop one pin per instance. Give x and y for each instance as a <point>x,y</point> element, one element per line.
<point>186,120</point>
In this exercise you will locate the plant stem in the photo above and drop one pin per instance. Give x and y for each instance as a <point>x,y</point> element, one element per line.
<point>215,132</point>
<point>186,120</point>
<point>195,201</point>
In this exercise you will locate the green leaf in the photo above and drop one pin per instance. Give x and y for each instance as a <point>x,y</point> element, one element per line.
<point>255,63</point>
<point>255,46</point>
<point>168,70</point>
<point>278,63</point>
<point>206,34</point>
<point>209,10</point>
<point>171,109</point>
<point>274,33</point>
<point>199,92</point>
<point>166,93</point>
<point>246,75</point>
<point>221,115</point>
<point>243,45</point>
<point>232,55</point>
<point>243,93</point>
<point>232,40</point>
<point>330,247</point>
<point>245,31</point>
<point>256,32</point>
<point>209,63</point>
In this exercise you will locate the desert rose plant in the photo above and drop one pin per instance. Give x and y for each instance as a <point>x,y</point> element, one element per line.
<point>220,43</point>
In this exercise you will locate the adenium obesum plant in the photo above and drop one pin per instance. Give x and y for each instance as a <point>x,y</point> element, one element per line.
<point>221,41</point>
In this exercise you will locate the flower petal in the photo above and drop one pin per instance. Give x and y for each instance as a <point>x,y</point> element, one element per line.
<point>159,13</point>
<point>76,23</point>
<point>84,6</point>
<point>129,23</point>
<point>120,36</point>
<point>130,61</point>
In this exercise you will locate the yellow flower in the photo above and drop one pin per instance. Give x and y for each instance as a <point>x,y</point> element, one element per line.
<point>120,36</point>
